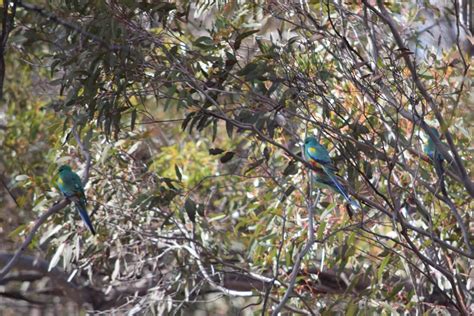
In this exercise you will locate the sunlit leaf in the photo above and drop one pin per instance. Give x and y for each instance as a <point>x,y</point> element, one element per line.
<point>56,257</point>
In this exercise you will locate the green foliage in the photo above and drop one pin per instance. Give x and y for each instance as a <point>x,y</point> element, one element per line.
<point>193,119</point>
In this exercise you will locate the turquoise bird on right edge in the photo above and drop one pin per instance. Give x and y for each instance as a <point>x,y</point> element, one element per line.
<point>70,186</point>
<point>325,174</point>
<point>436,157</point>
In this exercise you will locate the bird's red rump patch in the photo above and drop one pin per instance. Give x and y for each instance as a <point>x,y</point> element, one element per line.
<point>313,163</point>
<point>316,166</point>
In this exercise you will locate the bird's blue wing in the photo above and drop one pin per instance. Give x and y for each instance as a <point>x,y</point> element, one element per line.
<point>64,187</point>
<point>339,187</point>
<point>318,154</point>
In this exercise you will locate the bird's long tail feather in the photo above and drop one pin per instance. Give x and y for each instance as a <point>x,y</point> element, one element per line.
<point>340,188</point>
<point>438,164</point>
<point>85,217</point>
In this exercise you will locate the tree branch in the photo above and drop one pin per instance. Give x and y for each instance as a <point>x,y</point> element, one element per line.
<point>78,294</point>
<point>296,266</point>
<point>52,210</point>
<point>7,25</point>
<point>53,18</point>
<point>85,152</point>
<point>385,16</point>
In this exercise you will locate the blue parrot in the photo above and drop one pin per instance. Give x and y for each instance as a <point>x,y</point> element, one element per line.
<point>436,157</point>
<point>325,174</point>
<point>70,185</point>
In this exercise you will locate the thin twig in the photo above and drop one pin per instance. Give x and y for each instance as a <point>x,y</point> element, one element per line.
<point>85,152</point>
<point>60,279</point>
<point>7,25</point>
<point>52,210</point>
<point>385,16</point>
<point>9,191</point>
<point>53,18</point>
<point>296,267</point>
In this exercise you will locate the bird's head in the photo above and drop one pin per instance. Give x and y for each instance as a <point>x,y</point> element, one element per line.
<point>64,168</point>
<point>311,141</point>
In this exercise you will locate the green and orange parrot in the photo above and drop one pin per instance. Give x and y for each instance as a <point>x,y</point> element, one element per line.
<point>436,157</point>
<point>325,173</point>
<point>70,185</point>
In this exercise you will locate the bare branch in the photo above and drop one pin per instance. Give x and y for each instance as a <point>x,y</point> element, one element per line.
<point>7,25</point>
<point>85,152</point>
<point>385,16</point>
<point>53,210</point>
<point>79,294</point>
<point>296,266</point>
